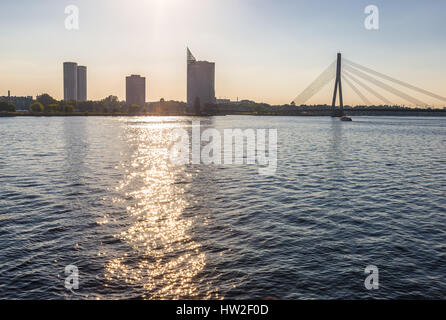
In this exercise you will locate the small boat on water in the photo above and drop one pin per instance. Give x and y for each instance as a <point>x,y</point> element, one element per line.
<point>346,119</point>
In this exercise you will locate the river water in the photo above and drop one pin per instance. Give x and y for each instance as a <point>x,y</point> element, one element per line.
<point>100,193</point>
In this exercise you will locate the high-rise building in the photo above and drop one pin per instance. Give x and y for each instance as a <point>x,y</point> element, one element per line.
<point>200,81</point>
<point>70,80</point>
<point>136,90</point>
<point>81,83</point>
<point>74,81</point>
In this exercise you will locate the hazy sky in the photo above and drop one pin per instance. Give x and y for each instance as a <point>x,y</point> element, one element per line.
<point>265,50</point>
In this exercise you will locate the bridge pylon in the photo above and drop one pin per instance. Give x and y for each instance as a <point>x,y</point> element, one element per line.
<point>338,84</point>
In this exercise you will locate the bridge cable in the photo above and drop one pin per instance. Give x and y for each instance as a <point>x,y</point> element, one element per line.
<point>321,81</point>
<point>404,84</point>
<point>356,90</point>
<point>384,86</point>
<point>366,87</point>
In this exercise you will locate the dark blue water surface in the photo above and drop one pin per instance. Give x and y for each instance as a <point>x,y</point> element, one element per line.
<point>101,194</point>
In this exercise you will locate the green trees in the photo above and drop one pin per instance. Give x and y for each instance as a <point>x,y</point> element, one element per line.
<point>162,106</point>
<point>6,107</point>
<point>111,103</point>
<point>85,106</point>
<point>46,100</point>
<point>69,109</point>
<point>52,108</point>
<point>64,103</point>
<point>47,104</point>
<point>37,107</point>
<point>210,109</point>
<point>134,109</point>
<point>258,109</point>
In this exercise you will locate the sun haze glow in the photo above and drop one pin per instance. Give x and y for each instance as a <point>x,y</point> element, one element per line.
<point>264,50</point>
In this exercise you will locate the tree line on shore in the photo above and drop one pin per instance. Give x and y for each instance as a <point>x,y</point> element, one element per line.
<point>48,105</point>
<point>5,106</point>
<point>45,104</point>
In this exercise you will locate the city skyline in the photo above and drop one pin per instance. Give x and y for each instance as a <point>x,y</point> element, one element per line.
<point>222,156</point>
<point>269,53</point>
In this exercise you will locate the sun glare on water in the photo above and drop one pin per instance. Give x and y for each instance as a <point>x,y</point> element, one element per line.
<point>164,258</point>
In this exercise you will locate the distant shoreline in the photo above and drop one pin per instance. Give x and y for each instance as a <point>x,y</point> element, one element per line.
<point>353,113</point>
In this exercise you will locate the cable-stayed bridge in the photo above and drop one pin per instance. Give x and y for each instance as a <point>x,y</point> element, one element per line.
<point>365,83</point>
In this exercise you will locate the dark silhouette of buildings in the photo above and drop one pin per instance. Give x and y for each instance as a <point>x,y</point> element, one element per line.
<point>74,81</point>
<point>136,90</point>
<point>200,81</point>
<point>81,83</point>
<point>21,103</point>
<point>70,81</point>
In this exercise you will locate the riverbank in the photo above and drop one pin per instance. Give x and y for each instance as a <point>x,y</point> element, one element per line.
<point>84,114</point>
<point>318,113</point>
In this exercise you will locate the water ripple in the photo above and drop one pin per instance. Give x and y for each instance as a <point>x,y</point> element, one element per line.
<point>101,194</point>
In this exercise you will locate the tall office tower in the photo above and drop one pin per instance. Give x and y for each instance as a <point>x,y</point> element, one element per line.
<point>70,80</point>
<point>81,83</point>
<point>136,90</point>
<point>200,81</point>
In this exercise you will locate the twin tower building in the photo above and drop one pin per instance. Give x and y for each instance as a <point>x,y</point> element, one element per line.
<point>74,82</point>
<point>200,83</point>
